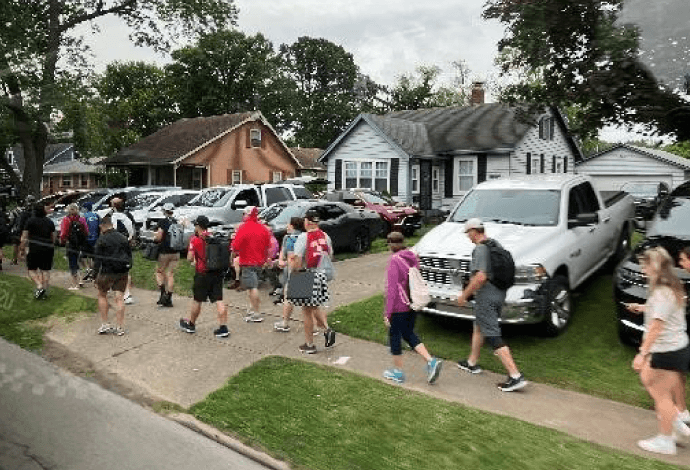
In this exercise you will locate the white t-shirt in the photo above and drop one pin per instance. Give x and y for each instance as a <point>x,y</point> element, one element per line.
<point>125,220</point>
<point>662,304</point>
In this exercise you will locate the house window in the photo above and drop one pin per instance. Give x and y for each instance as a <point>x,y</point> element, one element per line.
<point>546,128</point>
<point>536,164</point>
<point>255,137</point>
<point>435,179</point>
<point>10,157</point>
<point>84,181</point>
<point>559,165</point>
<point>381,181</point>
<point>465,175</point>
<point>236,176</point>
<point>276,176</point>
<point>366,175</point>
<point>67,180</point>
<point>415,178</point>
<point>350,175</point>
<point>196,178</point>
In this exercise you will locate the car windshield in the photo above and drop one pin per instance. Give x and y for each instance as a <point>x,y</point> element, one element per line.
<point>215,197</point>
<point>91,197</point>
<point>510,206</point>
<point>641,189</point>
<point>672,219</point>
<point>374,199</point>
<point>302,193</point>
<point>144,200</point>
<point>279,214</point>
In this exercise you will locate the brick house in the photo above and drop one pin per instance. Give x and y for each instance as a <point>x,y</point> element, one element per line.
<point>208,151</point>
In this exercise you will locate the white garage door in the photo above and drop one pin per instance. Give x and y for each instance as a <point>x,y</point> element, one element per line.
<point>615,182</point>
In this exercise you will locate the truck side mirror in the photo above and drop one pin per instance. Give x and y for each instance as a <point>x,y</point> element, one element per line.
<point>240,204</point>
<point>583,220</point>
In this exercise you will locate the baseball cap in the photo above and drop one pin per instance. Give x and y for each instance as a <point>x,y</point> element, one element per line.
<point>474,223</point>
<point>168,207</point>
<point>312,215</point>
<point>88,205</point>
<point>202,221</point>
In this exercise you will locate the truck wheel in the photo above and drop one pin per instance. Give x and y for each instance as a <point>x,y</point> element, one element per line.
<point>361,242</point>
<point>558,306</point>
<point>622,248</point>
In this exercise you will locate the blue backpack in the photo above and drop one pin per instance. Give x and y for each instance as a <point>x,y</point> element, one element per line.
<point>93,222</point>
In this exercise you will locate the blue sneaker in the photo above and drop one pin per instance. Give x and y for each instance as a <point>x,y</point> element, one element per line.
<point>433,369</point>
<point>396,375</point>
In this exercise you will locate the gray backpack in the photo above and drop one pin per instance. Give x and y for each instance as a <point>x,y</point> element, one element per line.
<point>176,237</point>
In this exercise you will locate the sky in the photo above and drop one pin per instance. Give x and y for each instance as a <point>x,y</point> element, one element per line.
<point>389,38</point>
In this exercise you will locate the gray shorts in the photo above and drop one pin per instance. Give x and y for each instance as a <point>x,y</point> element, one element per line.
<point>250,276</point>
<point>487,313</point>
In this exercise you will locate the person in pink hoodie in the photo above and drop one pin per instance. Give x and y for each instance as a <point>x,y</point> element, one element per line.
<point>398,316</point>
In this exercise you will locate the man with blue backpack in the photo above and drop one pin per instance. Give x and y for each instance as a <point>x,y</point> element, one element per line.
<point>93,224</point>
<point>170,237</point>
<point>493,272</point>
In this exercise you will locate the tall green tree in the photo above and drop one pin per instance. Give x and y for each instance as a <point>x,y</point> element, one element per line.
<point>584,58</point>
<point>224,72</point>
<point>320,89</point>
<point>39,47</point>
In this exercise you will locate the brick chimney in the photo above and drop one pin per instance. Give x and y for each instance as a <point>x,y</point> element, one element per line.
<point>477,93</point>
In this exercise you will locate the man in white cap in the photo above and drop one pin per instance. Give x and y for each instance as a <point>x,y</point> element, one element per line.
<point>488,303</point>
<point>167,257</point>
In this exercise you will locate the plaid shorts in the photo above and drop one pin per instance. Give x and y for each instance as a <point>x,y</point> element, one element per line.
<point>319,293</point>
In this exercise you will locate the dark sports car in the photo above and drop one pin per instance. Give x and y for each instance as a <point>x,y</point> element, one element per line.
<point>349,228</point>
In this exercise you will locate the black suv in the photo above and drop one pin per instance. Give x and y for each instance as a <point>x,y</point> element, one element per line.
<point>670,229</point>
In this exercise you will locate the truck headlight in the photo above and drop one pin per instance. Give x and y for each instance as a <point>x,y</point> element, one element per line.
<point>530,274</point>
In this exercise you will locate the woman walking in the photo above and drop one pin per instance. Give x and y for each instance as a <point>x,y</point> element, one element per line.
<point>398,316</point>
<point>664,354</point>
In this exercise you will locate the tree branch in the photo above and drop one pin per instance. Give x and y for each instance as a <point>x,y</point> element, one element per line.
<point>127,6</point>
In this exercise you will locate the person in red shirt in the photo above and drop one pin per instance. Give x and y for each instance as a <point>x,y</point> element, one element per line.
<point>251,244</point>
<point>207,284</point>
<point>75,242</point>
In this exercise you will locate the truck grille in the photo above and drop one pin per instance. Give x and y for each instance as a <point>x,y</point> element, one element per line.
<point>442,271</point>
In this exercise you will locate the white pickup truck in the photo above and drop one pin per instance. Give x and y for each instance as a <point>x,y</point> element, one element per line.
<point>558,229</point>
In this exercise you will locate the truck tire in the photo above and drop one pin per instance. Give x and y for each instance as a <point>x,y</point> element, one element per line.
<point>558,306</point>
<point>622,248</point>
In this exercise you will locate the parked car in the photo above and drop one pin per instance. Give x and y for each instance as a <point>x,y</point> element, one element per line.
<point>647,195</point>
<point>398,216</point>
<point>558,229</point>
<point>62,199</point>
<point>224,205</point>
<point>670,229</point>
<point>150,204</point>
<point>349,228</point>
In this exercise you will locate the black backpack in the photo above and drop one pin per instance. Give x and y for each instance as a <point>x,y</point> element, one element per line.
<point>4,229</point>
<point>76,236</point>
<point>119,260</point>
<point>502,265</point>
<point>217,254</point>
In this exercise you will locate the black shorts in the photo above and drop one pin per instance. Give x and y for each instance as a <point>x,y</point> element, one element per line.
<point>673,360</point>
<point>40,259</point>
<point>208,286</point>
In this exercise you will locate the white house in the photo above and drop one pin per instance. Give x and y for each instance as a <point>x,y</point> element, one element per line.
<point>623,163</point>
<point>432,157</point>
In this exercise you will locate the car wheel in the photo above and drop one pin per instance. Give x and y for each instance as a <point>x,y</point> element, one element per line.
<point>622,247</point>
<point>558,306</point>
<point>361,242</point>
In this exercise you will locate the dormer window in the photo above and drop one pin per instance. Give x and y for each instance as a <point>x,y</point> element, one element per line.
<point>255,137</point>
<point>10,157</point>
<point>546,128</point>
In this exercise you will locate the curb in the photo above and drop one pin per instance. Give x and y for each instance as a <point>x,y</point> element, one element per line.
<point>210,432</point>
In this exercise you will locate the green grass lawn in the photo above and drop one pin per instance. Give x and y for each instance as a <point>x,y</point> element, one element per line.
<point>587,358</point>
<point>325,418</point>
<point>18,308</point>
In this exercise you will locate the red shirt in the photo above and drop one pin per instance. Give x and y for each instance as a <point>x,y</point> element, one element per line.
<point>252,243</point>
<point>198,246</point>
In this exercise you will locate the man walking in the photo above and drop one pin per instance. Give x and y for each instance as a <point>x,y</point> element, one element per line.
<point>123,224</point>
<point>252,242</point>
<point>489,301</point>
<point>167,257</point>
<point>93,223</point>
<point>20,216</point>
<point>39,234</point>
<point>113,260</point>
<point>207,284</point>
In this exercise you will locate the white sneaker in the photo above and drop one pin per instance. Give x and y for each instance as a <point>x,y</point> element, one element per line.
<point>685,416</point>
<point>129,300</point>
<point>680,427</point>
<point>253,317</point>
<point>105,329</point>
<point>659,445</point>
<point>73,288</point>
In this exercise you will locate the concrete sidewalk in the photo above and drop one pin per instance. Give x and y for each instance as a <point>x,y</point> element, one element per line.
<point>164,363</point>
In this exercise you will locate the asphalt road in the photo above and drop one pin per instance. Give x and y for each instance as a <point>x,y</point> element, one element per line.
<point>50,419</point>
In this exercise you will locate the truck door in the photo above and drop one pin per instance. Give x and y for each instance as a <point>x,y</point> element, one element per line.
<point>588,247</point>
